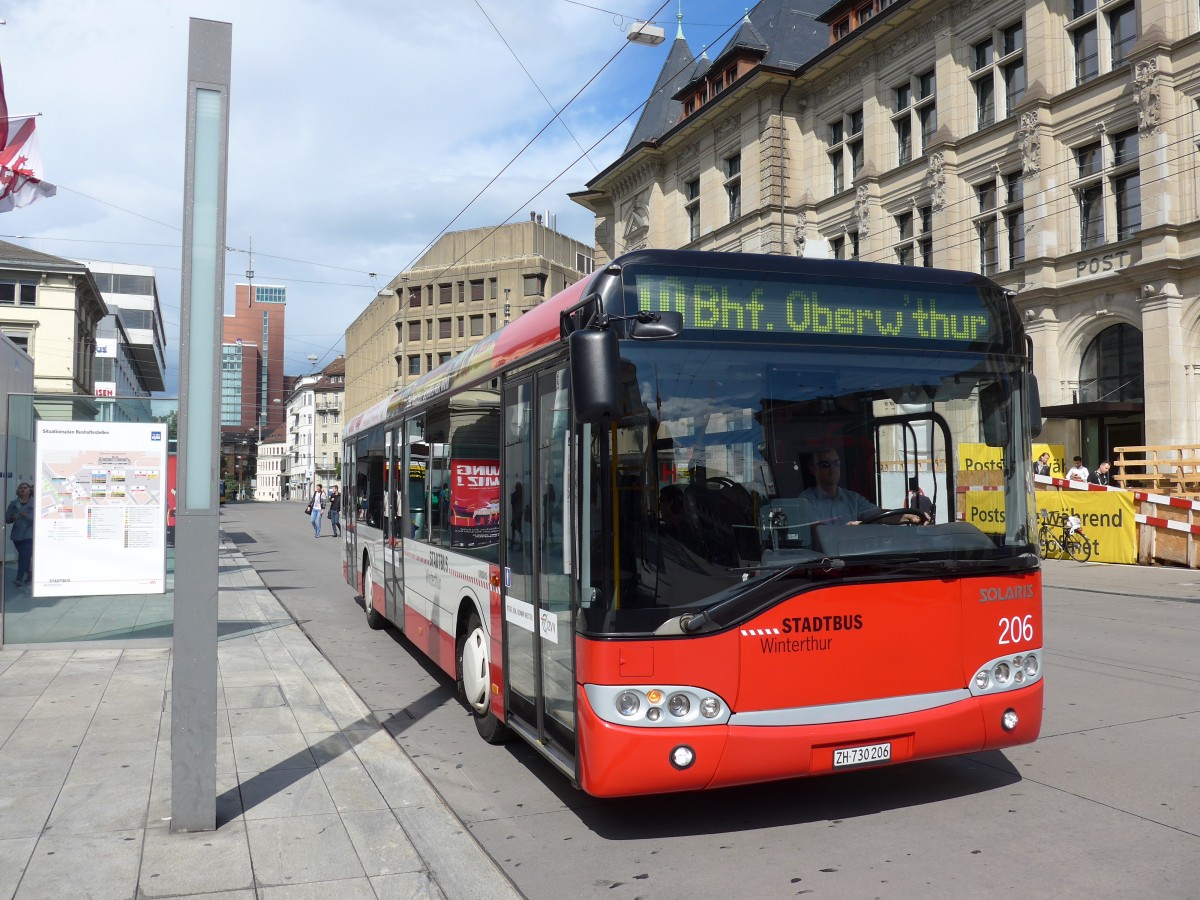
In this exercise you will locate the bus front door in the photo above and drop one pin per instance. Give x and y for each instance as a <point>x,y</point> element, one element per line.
<point>392,531</point>
<point>538,632</point>
<point>349,491</point>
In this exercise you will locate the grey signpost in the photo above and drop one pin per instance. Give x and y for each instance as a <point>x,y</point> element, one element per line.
<point>194,678</point>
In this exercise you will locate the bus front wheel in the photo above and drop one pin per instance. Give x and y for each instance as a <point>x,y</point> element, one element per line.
<point>374,619</point>
<point>474,680</point>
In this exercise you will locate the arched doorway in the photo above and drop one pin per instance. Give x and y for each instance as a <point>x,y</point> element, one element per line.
<point>1111,399</point>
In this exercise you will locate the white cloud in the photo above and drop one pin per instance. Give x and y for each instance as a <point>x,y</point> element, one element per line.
<point>358,131</point>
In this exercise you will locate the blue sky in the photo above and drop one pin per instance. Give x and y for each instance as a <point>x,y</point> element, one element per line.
<point>358,131</point>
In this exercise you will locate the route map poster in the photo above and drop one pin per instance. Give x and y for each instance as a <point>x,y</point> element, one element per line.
<point>100,523</point>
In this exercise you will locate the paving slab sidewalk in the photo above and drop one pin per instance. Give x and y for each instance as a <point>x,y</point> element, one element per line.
<point>314,798</point>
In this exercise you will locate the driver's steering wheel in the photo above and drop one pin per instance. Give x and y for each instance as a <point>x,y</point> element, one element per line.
<point>899,511</point>
<point>722,480</point>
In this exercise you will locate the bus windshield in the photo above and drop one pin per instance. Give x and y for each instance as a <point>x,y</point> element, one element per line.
<point>734,464</point>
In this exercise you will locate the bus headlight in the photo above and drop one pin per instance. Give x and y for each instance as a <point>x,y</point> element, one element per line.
<point>656,705</point>
<point>1008,673</point>
<point>628,703</point>
<point>679,705</point>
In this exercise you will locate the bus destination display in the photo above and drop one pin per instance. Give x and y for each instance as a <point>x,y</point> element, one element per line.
<point>719,302</point>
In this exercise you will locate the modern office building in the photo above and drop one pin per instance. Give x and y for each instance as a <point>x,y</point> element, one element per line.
<point>131,339</point>
<point>1048,145</point>
<point>469,284</point>
<point>252,345</point>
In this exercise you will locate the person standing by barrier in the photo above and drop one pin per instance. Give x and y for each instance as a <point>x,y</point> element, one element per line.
<point>335,510</point>
<point>316,506</point>
<point>19,517</point>
<point>1100,476</point>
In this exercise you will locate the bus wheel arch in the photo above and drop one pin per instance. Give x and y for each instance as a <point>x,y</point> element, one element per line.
<point>472,671</point>
<point>374,619</point>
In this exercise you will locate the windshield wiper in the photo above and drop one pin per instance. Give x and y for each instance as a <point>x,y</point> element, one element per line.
<point>689,624</point>
<point>1021,562</point>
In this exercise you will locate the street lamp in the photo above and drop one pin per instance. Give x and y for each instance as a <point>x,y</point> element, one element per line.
<point>645,33</point>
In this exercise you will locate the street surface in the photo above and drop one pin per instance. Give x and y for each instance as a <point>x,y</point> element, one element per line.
<point>1105,804</point>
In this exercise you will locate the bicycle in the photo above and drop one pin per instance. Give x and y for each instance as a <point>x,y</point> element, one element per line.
<point>1070,541</point>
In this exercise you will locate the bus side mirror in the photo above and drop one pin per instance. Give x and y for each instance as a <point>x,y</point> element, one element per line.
<point>595,375</point>
<point>663,327</point>
<point>1035,407</point>
<point>994,411</point>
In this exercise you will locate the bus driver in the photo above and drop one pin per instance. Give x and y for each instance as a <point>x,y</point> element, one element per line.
<point>835,505</point>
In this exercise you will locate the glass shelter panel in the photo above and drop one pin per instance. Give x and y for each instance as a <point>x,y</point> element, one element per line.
<point>102,495</point>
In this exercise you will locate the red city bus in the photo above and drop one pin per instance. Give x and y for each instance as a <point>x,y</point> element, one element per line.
<point>659,526</point>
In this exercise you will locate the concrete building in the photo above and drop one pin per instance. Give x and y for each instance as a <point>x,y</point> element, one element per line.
<point>329,396</point>
<point>465,287</point>
<point>51,307</point>
<point>1050,146</point>
<point>271,477</point>
<point>300,427</point>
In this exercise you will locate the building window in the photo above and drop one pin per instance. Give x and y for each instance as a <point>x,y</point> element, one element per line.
<point>18,294</point>
<point>1014,218</point>
<point>999,71</point>
<point>691,198</point>
<point>462,326</point>
<point>925,240</point>
<point>445,293</point>
<point>1112,369</point>
<point>476,326</point>
<point>414,331</point>
<point>999,222</point>
<point>985,226</point>
<point>444,328</point>
<point>491,323</point>
<point>534,285</point>
<point>733,185</point>
<point>905,253</point>
<point>1108,190</point>
<point>914,116</point>
<point>443,358</point>
<point>414,297</point>
<point>585,265</point>
<point>477,290</point>
<point>1102,35</point>
<point>845,247</point>
<point>846,149</point>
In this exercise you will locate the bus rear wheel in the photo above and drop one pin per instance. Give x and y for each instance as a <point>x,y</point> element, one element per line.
<point>473,671</point>
<point>374,619</point>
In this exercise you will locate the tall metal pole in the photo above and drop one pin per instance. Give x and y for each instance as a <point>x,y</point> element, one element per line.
<point>194,677</point>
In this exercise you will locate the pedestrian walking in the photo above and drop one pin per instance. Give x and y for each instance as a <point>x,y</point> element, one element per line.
<point>315,508</point>
<point>335,510</point>
<point>19,517</point>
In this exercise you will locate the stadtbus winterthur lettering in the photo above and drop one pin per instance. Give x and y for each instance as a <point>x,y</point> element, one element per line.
<point>737,305</point>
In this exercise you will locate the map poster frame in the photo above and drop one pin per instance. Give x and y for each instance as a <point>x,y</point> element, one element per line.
<point>100,522</point>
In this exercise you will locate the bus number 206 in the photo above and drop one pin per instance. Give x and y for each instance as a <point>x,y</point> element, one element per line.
<point>1016,630</point>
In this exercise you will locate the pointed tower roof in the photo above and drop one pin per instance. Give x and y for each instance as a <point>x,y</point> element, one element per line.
<point>661,111</point>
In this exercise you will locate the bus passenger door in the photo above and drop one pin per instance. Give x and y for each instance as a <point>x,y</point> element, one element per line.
<point>349,494</point>
<point>393,551</point>
<point>538,631</point>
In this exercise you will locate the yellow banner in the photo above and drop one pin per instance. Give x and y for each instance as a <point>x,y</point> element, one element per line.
<point>1107,518</point>
<point>979,464</point>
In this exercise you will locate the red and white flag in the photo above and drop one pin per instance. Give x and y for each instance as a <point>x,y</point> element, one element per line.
<point>20,162</point>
